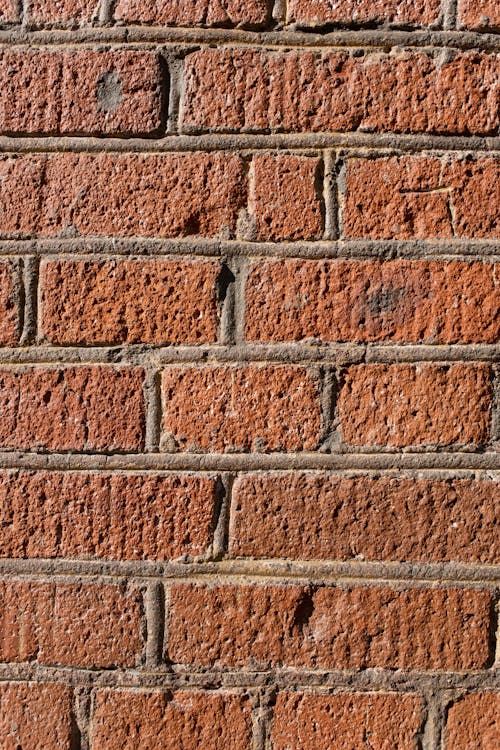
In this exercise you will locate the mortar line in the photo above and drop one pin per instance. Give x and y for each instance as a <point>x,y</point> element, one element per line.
<point>485,251</point>
<point>170,36</point>
<point>386,143</point>
<point>450,15</point>
<point>319,682</point>
<point>329,573</point>
<point>330,197</point>
<point>241,354</point>
<point>155,624</point>
<point>233,462</point>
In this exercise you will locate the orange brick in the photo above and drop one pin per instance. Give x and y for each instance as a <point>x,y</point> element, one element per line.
<point>129,301</point>
<point>72,408</point>
<point>317,516</point>
<point>346,721</point>
<point>403,405</point>
<point>329,628</point>
<point>272,408</point>
<point>127,720</point>
<point>402,301</point>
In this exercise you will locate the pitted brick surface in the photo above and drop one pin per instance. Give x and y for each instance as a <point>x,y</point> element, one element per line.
<point>130,301</point>
<point>300,516</point>
<point>126,720</point>
<point>106,516</point>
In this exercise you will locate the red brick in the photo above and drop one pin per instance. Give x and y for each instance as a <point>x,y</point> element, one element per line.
<point>80,92</point>
<point>403,405</point>
<point>194,12</point>
<point>310,13</point>
<point>62,12</point>
<point>35,717</point>
<point>285,198</point>
<point>120,195</point>
<point>473,723</point>
<point>49,514</point>
<point>9,301</point>
<point>9,11</point>
<point>127,720</point>
<point>130,301</point>
<point>250,90</point>
<point>413,197</point>
<point>330,628</point>
<point>85,625</point>
<point>270,408</point>
<point>315,516</point>
<point>407,301</point>
<point>479,14</point>
<point>74,408</point>
<point>378,721</point>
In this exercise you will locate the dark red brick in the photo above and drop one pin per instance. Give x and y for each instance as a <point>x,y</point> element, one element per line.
<point>84,625</point>
<point>49,514</point>
<point>73,408</point>
<point>403,301</point>
<point>122,195</point>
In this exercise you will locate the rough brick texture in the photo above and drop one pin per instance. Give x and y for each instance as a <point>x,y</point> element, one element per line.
<point>249,374</point>
<point>126,720</point>
<point>400,405</point>
<point>285,197</point>
<point>86,625</point>
<point>422,197</point>
<point>35,717</point>
<point>62,13</point>
<point>404,301</point>
<point>317,722</point>
<point>76,408</point>
<point>229,408</point>
<point>81,92</point>
<point>115,517</point>
<point>341,518</point>
<point>157,302</point>
<point>8,11</point>
<point>9,309</point>
<point>251,90</point>
<point>249,13</point>
<point>169,195</point>
<point>473,723</point>
<point>310,13</point>
<point>483,15</point>
<point>332,628</point>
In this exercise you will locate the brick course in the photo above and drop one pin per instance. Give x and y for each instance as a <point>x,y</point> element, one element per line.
<point>252,90</point>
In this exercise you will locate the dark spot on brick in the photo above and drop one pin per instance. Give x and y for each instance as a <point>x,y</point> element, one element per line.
<point>108,92</point>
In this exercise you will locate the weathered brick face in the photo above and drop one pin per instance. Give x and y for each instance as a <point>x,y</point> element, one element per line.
<point>249,374</point>
<point>311,13</point>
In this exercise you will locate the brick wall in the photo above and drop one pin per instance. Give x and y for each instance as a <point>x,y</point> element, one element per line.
<point>249,381</point>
